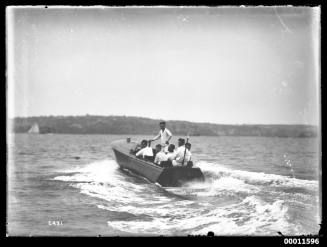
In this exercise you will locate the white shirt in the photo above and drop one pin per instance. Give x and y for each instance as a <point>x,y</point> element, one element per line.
<point>165,149</point>
<point>180,152</point>
<point>171,156</point>
<point>180,156</point>
<point>161,156</point>
<point>163,135</point>
<point>147,151</point>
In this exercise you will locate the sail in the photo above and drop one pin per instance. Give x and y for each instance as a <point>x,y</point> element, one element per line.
<point>34,129</point>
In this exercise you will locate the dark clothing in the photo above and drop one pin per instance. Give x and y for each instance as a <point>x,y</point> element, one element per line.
<point>189,164</point>
<point>166,164</point>
<point>154,152</point>
<point>149,158</point>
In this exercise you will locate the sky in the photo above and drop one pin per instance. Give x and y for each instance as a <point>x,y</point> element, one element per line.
<point>220,65</point>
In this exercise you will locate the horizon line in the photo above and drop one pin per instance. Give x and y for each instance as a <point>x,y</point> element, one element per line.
<point>160,119</point>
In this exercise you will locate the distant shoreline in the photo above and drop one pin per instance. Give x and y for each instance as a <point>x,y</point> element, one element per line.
<point>123,125</point>
<point>131,135</point>
<point>158,120</point>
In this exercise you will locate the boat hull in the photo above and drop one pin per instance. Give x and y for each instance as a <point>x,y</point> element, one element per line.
<point>167,177</point>
<point>143,168</point>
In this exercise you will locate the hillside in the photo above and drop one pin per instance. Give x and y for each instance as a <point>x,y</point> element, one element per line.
<point>145,126</point>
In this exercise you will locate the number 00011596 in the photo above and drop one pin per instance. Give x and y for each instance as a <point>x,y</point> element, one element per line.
<point>301,240</point>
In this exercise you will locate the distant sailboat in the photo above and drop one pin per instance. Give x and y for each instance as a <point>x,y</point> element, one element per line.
<point>34,129</point>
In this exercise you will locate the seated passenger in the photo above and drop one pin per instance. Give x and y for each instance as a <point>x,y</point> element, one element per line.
<point>138,147</point>
<point>171,152</point>
<point>181,142</point>
<point>170,156</point>
<point>146,152</point>
<point>181,147</point>
<point>160,155</point>
<point>179,153</point>
<point>183,155</point>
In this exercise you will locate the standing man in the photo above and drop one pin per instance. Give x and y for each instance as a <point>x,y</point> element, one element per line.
<point>164,135</point>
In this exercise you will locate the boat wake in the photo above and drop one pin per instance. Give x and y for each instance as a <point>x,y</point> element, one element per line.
<point>220,180</point>
<point>229,202</point>
<point>214,171</point>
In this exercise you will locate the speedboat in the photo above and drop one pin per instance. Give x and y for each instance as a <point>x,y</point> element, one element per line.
<point>165,176</point>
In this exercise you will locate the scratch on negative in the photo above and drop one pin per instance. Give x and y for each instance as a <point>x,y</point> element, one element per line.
<point>281,21</point>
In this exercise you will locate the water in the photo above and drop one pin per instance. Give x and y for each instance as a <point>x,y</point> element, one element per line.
<point>62,185</point>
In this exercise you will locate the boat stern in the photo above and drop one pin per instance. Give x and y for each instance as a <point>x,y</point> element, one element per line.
<point>176,176</point>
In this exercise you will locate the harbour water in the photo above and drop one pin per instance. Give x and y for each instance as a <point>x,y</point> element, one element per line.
<point>70,185</point>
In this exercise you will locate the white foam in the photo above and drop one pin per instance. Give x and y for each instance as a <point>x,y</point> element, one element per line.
<point>233,184</point>
<point>216,171</point>
<point>97,171</point>
<point>171,216</point>
<point>261,218</point>
<point>102,180</point>
<point>219,187</point>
